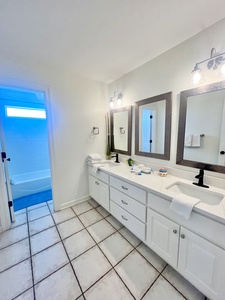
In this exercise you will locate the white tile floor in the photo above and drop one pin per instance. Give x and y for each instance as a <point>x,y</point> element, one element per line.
<point>82,253</point>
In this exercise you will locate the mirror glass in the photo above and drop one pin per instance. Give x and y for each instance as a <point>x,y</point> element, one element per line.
<point>201,135</point>
<point>120,123</point>
<point>153,126</point>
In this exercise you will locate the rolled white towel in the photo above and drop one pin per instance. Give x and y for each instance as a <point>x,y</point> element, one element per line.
<point>91,162</point>
<point>94,156</point>
<point>183,205</point>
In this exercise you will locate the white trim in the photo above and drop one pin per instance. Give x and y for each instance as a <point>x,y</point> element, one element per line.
<point>74,202</point>
<point>4,209</point>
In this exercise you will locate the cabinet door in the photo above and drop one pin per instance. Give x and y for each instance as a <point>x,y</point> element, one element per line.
<point>163,237</point>
<point>93,187</point>
<point>103,194</point>
<point>203,264</point>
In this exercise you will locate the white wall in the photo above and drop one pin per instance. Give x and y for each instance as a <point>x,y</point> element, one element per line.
<point>75,106</point>
<point>171,72</point>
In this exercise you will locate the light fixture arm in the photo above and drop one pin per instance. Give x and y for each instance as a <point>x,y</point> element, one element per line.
<point>213,51</point>
<point>215,62</point>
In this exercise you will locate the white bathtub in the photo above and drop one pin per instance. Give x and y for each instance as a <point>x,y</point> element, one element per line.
<point>30,183</point>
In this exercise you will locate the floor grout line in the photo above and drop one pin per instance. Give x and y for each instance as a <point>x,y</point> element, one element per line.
<point>173,286</point>
<point>31,261</point>
<point>112,266</point>
<point>82,293</point>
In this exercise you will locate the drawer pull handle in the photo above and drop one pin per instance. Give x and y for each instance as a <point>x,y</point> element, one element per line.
<point>124,218</point>
<point>182,236</point>
<point>124,202</point>
<point>175,231</point>
<point>125,188</point>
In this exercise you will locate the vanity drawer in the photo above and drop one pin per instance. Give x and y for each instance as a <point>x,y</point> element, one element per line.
<point>135,226</point>
<point>129,189</point>
<point>134,207</point>
<point>99,175</point>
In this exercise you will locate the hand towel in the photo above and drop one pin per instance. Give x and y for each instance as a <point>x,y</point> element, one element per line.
<point>188,140</point>
<point>96,167</point>
<point>183,205</point>
<point>196,140</point>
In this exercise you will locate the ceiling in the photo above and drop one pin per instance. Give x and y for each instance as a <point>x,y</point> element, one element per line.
<point>100,39</point>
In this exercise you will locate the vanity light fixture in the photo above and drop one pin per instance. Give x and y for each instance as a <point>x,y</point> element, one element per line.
<point>116,99</point>
<point>216,62</point>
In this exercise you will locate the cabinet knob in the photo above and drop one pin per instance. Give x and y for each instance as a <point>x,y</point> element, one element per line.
<point>125,188</point>
<point>96,182</point>
<point>124,202</point>
<point>175,231</point>
<point>124,218</point>
<point>182,236</point>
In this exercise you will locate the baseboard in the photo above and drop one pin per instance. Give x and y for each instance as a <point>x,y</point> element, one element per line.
<point>74,202</point>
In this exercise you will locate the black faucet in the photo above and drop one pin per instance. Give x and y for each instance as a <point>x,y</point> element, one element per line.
<point>200,177</point>
<point>117,158</point>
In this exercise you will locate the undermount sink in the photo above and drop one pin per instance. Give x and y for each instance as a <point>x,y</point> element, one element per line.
<point>206,196</point>
<point>113,164</point>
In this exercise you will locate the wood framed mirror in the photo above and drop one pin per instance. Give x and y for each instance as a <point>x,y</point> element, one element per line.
<point>153,126</point>
<point>121,129</point>
<point>202,120</point>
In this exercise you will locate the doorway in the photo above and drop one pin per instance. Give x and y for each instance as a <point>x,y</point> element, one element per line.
<point>148,130</point>
<point>24,142</point>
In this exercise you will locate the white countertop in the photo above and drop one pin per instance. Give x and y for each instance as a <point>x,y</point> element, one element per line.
<point>157,185</point>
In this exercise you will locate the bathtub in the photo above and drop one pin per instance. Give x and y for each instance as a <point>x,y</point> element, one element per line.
<point>30,183</point>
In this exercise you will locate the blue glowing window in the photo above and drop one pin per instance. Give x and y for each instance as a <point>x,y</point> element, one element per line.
<point>23,112</point>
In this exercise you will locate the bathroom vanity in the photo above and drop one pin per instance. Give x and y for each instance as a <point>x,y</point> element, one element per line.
<point>195,247</point>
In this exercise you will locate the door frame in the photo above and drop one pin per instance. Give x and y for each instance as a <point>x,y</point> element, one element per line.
<point>14,83</point>
<point>5,220</point>
<point>221,158</point>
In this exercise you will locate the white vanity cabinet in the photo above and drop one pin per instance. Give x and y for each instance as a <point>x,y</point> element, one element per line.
<point>194,247</point>
<point>198,259</point>
<point>163,237</point>
<point>128,205</point>
<point>202,263</point>
<point>99,189</point>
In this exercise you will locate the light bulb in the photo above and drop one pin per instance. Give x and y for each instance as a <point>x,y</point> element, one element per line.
<point>111,104</point>
<point>196,77</point>
<point>119,102</point>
